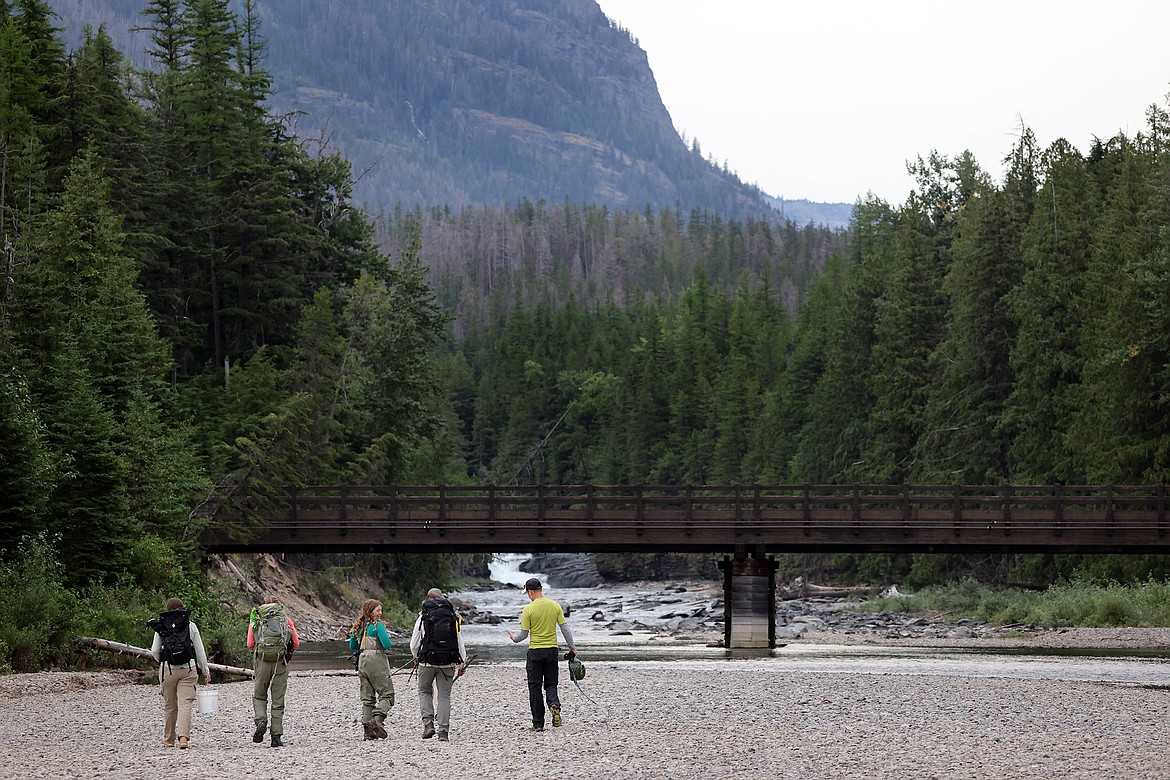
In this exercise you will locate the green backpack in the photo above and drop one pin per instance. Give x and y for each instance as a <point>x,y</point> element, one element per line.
<point>271,631</point>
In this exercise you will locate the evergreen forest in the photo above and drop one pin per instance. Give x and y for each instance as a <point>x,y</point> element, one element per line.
<point>196,314</point>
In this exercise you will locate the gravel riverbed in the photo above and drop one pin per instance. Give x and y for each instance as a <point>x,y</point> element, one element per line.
<point>691,719</point>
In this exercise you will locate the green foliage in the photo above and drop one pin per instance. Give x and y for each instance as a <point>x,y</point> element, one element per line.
<point>28,466</point>
<point>41,616</point>
<point>1074,603</point>
<point>36,609</point>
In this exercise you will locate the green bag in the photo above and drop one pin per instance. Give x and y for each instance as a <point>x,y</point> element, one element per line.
<point>271,631</point>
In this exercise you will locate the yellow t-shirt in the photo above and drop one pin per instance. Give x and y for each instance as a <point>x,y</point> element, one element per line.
<point>540,619</point>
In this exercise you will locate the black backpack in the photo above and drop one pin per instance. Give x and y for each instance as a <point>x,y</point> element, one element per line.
<point>174,628</point>
<point>440,641</point>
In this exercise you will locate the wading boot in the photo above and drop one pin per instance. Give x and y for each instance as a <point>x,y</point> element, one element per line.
<point>376,724</point>
<point>258,734</point>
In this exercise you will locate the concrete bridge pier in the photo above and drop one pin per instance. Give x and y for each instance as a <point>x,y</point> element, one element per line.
<point>749,601</point>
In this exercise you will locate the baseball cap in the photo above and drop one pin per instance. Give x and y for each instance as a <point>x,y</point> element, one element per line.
<point>532,584</point>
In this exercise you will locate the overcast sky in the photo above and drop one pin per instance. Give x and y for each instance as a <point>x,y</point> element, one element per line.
<point>828,99</point>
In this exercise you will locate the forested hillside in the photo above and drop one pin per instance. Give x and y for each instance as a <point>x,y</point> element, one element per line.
<point>195,315</point>
<point>470,102</point>
<point>980,333</point>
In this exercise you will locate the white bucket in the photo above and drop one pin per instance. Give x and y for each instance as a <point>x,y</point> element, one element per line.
<point>208,701</point>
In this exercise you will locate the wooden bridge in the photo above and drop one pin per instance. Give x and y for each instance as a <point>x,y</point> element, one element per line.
<point>745,523</point>
<point>737,519</point>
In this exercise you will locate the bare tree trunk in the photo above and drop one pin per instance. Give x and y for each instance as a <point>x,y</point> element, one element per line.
<point>119,647</point>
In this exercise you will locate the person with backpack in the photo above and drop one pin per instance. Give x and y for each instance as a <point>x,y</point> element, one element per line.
<point>272,638</point>
<point>181,657</point>
<point>539,619</point>
<point>370,638</point>
<point>438,651</point>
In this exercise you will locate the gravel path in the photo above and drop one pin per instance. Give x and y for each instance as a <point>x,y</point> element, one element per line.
<point>703,719</point>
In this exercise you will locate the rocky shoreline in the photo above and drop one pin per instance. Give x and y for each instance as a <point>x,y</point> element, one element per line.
<point>830,621</point>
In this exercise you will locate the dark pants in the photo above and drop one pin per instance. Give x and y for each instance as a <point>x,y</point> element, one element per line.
<point>542,673</point>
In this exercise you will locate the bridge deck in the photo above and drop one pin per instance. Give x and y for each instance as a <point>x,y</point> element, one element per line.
<point>892,518</point>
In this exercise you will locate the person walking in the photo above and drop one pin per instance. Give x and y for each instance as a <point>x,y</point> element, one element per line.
<point>539,620</point>
<point>178,648</point>
<point>438,651</point>
<point>272,638</point>
<point>369,635</point>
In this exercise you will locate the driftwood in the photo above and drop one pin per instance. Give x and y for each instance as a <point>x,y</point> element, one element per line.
<point>119,647</point>
<point>799,589</point>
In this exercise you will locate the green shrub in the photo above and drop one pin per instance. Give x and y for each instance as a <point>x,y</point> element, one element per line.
<point>1112,610</point>
<point>36,610</point>
<point>153,563</point>
<point>1077,603</point>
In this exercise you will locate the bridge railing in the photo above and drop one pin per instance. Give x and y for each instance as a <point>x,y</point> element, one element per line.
<point>1069,518</point>
<point>908,508</point>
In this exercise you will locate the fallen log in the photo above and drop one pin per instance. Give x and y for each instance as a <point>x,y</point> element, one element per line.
<point>125,649</point>
<point>799,589</point>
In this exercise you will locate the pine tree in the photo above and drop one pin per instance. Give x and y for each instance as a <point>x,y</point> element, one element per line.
<point>841,402</point>
<point>28,465</point>
<point>907,328</point>
<point>1120,430</point>
<point>1047,305</point>
<point>960,443</point>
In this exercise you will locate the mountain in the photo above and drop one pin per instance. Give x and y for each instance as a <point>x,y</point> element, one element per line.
<point>808,212</point>
<point>456,102</point>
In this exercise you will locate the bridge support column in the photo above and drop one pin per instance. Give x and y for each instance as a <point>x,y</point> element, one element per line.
<point>749,602</point>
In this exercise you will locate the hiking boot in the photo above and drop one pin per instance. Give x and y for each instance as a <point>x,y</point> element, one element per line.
<point>182,743</point>
<point>556,713</point>
<point>534,727</point>
<point>376,725</point>
<point>442,736</point>
<point>167,743</point>
<point>428,730</point>
<point>258,735</point>
<point>276,741</point>
<point>369,731</point>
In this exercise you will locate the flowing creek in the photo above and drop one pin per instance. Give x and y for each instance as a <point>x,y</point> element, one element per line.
<point>622,624</point>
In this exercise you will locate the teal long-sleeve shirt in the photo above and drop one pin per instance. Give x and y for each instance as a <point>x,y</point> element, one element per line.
<point>377,630</point>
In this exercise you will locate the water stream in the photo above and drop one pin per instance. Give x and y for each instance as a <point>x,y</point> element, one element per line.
<point>617,625</point>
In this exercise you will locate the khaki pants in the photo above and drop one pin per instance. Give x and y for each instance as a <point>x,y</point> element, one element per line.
<point>377,689</point>
<point>270,676</point>
<point>434,682</point>
<point>177,687</point>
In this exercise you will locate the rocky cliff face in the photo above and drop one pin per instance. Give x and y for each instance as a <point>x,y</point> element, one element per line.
<point>320,613</point>
<point>458,102</point>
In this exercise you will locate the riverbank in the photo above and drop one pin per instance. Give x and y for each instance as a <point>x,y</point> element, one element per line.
<point>744,719</point>
<point>1134,639</point>
<point>693,612</point>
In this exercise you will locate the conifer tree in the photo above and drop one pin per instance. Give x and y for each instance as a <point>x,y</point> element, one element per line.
<point>28,465</point>
<point>839,406</point>
<point>1047,305</point>
<point>86,332</point>
<point>103,116</point>
<point>793,449</point>
<point>907,328</point>
<point>1120,429</point>
<point>960,443</point>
